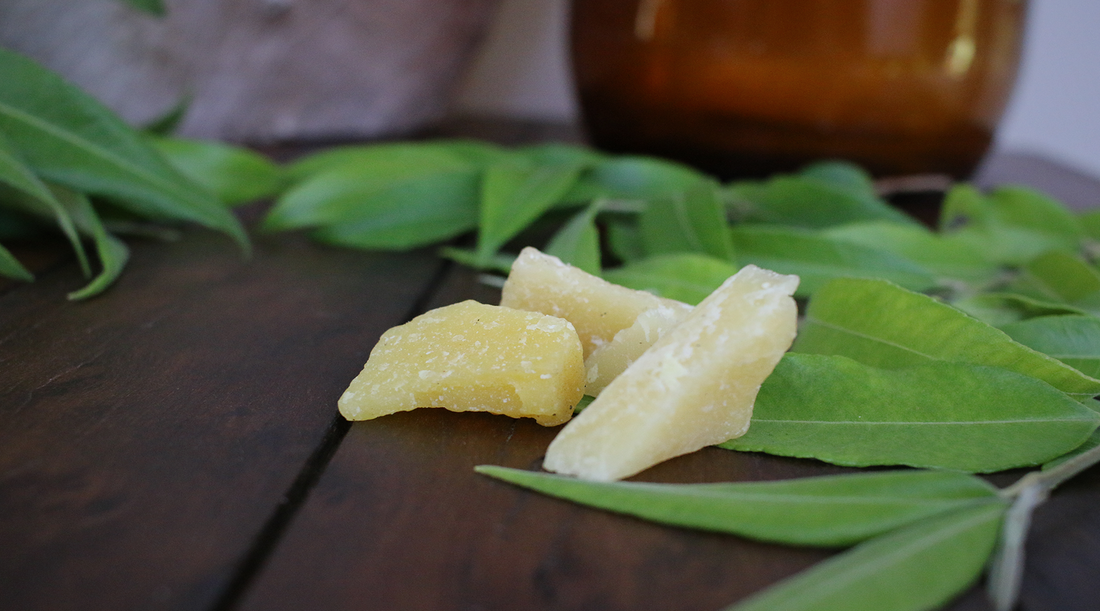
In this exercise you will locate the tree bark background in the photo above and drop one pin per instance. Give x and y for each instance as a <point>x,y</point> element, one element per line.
<point>259,71</point>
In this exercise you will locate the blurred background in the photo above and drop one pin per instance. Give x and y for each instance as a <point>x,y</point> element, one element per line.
<point>257,71</point>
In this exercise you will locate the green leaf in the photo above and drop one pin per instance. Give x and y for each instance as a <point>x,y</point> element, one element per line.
<point>1091,443</point>
<point>233,174</point>
<point>348,194</point>
<point>395,159</point>
<point>1010,226</point>
<point>407,214</point>
<point>884,325</point>
<point>938,415</point>
<point>1060,277</point>
<point>825,511</point>
<point>999,309</point>
<point>817,259</point>
<point>942,256</point>
<point>624,239</point>
<point>809,201</point>
<point>10,267</point>
<point>1074,340</point>
<point>558,153</point>
<point>842,175</point>
<point>152,7</point>
<point>917,568</point>
<point>578,241</point>
<point>684,277</point>
<point>112,252</point>
<point>499,262</point>
<point>32,196</point>
<point>167,123</point>
<point>1090,223</point>
<point>513,196</point>
<point>633,178</point>
<point>689,221</point>
<point>70,139</point>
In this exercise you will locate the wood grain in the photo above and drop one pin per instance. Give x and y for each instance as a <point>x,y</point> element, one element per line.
<point>147,436</point>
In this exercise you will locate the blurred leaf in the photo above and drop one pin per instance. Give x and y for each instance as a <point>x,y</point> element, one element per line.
<point>234,175</point>
<point>10,267</point>
<point>578,241</point>
<point>112,252</point>
<point>917,568</point>
<point>842,175</point>
<point>809,201</point>
<point>152,7</point>
<point>394,159</point>
<point>1074,340</point>
<point>816,258</point>
<point>68,138</point>
<point>690,221</point>
<point>633,178</point>
<point>167,123</point>
<point>999,309</point>
<point>684,277</point>
<point>514,195</point>
<point>499,262</point>
<point>1059,277</point>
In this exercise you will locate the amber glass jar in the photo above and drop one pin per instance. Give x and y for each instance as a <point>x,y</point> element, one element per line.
<point>749,87</point>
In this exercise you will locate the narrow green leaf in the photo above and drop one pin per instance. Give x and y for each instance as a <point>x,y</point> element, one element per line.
<point>394,159</point>
<point>1072,339</point>
<point>152,7</point>
<point>167,123</point>
<point>684,277</point>
<point>808,201</point>
<point>348,194</point>
<point>689,221</point>
<point>578,241</point>
<point>32,196</point>
<point>825,511</point>
<point>817,258</point>
<point>942,256</point>
<point>875,322</point>
<point>633,178</point>
<point>558,153</point>
<point>917,568</point>
<point>112,252</point>
<point>842,175</point>
<point>411,213</point>
<point>513,196</point>
<point>233,174</point>
<point>936,415</point>
<point>70,139</point>
<point>999,309</point>
<point>499,262</point>
<point>10,267</point>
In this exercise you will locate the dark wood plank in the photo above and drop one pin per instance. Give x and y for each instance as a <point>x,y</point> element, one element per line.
<point>400,521</point>
<point>147,436</point>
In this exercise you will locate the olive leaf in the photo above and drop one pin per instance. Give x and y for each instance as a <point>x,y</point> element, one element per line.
<point>916,568</point>
<point>940,414</point>
<point>686,277</point>
<point>68,138</point>
<point>234,175</point>
<point>1072,339</point>
<point>817,259</point>
<point>578,241</point>
<point>823,511</point>
<point>872,321</point>
<point>513,195</point>
<point>10,267</point>
<point>810,201</point>
<point>690,221</point>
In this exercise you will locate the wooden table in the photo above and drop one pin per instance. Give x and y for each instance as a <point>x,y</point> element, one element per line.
<point>174,444</point>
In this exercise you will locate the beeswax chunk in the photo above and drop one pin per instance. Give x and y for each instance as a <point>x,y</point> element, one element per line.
<point>609,360</point>
<point>472,357</point>
<point>597,308</point>
<point>694,387</point>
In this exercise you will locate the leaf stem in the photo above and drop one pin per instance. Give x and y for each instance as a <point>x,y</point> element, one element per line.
<point>1027,493</point>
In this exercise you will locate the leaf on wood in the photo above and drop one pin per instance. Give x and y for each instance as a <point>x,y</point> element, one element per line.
<point>233,174</point>
<point>690,221</point>
<point>822,511</point>
<point>515,195</point>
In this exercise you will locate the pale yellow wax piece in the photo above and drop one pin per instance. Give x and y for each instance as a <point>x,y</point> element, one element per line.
<point>597,308</point>
<point>473,357</point>
<point>609,360</point>
<point>694,387</point>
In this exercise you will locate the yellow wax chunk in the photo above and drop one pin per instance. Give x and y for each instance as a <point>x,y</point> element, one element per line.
<point>597,308</point>
<point>694,387</point>
<point>609,360</point>
<point>472,357</point>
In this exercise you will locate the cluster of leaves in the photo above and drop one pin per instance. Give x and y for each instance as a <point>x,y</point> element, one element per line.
<point>968,348</point>
<point>69,163</point>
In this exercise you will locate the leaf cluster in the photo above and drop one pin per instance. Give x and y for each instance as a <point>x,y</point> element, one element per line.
<point>69,164</point>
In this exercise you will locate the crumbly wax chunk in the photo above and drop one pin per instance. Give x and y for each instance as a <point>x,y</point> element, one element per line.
<point>609,360</point>
<point>472,357</point>
<point>694,387</point>
<point>597,308</point>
